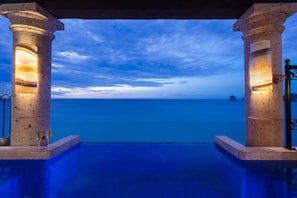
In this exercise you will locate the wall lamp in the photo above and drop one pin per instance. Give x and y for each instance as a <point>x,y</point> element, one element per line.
<point>26,68</point>
<point>260,71</point>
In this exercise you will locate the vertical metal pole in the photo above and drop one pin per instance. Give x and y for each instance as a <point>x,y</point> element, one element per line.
<point>288,105</point>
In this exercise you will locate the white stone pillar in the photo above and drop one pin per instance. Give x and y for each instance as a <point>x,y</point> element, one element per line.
<point>262,26</point>
<point>33,29</point>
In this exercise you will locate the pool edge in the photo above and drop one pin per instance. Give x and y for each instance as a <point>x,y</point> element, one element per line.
<point>255,153</point>
<point>42,152</point>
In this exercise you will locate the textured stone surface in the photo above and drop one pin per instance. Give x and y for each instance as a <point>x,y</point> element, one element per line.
<point>254,153</point>
<point>42,152</point>
<point>264,109</point>
<point>32,27</point>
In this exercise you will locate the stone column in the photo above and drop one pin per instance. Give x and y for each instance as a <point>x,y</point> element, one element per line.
<point>262,26</point>
<point>33,29</point>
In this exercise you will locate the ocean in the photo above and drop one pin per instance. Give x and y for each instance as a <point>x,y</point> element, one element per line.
<point>147,120</point>
<point>195,168</point>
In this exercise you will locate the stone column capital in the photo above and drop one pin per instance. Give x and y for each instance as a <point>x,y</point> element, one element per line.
<point>264,17</point>
<point>31,17</point>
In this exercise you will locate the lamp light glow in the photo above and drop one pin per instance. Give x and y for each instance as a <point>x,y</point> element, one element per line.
<point>260,66</point>
<point>26,69</point>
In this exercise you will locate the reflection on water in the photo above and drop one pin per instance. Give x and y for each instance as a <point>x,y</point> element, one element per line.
<point>291,181</point>
<point>146,170</point>
<point>267,178</point>
<point>264,182</point>
<point>21,177</point>
<point>36,178</point>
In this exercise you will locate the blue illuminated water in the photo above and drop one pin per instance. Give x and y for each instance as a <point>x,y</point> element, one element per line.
<point>143,170</point>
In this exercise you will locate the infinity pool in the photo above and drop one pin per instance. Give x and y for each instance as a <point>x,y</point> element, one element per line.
<point>145,170</point>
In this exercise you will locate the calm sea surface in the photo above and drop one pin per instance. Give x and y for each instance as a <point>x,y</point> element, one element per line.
<point>134,120</point>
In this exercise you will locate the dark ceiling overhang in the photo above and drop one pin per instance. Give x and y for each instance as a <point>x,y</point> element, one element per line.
<point>147,9</point>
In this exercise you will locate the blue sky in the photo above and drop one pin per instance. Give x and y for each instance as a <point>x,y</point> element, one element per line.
<point>145,58</point>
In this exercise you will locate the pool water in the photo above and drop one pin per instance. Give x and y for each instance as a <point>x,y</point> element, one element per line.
<point>145,170</point>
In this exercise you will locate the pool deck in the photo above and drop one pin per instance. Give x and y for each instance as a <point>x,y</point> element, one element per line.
<point>42,152</point>
<point>255,153</point>
<point>234,148</point>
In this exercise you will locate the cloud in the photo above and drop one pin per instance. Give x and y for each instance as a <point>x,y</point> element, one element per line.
<point>193,53</point>
<point>117,91</point>
<point>5,87</point>
<point>186,87</point>
<point>6,35</point>
<point>289,39</point>
<point>110,53</point>
<point>72,56</point>
<point>96,37</point>
<point>146,58</point>
<point>57,65</point>
<point>159,47</point>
